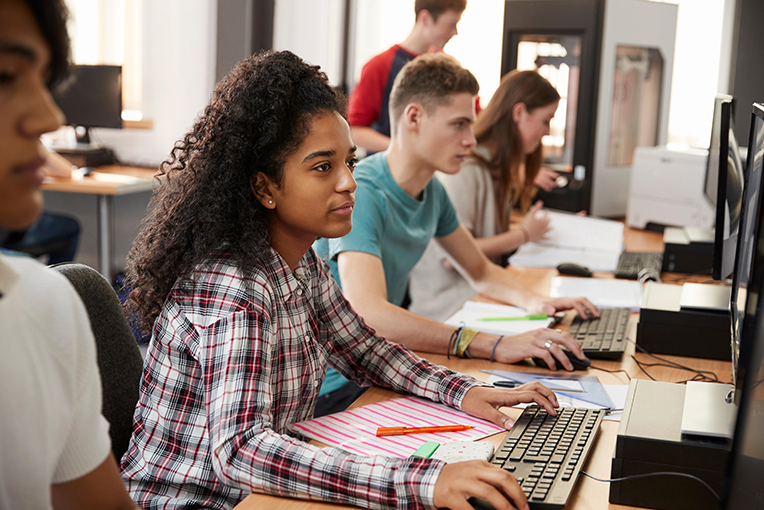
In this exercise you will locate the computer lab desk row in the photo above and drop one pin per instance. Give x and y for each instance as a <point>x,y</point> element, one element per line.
<point>589,494</point>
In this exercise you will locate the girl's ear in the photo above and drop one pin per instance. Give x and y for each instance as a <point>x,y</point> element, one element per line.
<point>262,187</point>
<point>518,111</point>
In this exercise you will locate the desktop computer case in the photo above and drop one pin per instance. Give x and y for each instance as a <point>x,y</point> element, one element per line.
<point>650,441</point>
<point>666,328</point>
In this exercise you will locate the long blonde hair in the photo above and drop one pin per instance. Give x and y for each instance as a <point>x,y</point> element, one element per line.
<point>496,129</point>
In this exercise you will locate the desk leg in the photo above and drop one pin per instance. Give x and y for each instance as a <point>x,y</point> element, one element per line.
<point>106,236</point>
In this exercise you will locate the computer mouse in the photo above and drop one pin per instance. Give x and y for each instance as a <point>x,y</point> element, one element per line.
<point>571,269</point>
<point>480,504</point>
<point>86,170</point>
<point>578,364</point>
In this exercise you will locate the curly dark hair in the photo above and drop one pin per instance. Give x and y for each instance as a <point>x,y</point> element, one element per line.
<point>259,114</point>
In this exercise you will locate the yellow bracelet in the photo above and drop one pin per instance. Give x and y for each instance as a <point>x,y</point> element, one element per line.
<point>464,341</point>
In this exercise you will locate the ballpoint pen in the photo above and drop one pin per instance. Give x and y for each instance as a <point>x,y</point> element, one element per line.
<point>398,431</point>
<point>531,317</point>
<point>515,384</point>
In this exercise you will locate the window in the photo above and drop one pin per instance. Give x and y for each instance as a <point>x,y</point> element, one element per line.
<point>110,32</point>
<point>479,46</point>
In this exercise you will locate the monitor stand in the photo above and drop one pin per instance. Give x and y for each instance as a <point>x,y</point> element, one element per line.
<point>84,152</point>
<point>706,410</point>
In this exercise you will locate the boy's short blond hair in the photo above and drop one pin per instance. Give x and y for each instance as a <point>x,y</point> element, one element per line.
<point>429,80</point>
<point>438,7</point>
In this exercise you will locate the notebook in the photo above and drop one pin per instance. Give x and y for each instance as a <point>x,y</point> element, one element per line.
<point>355,430</point>
<point>473,311</point>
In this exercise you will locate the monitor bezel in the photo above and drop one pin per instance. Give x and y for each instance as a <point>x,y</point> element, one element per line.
<point>753,343</point>
<point>723,112</point>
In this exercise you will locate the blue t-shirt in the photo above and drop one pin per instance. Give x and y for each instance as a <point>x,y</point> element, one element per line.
<point>391,225</point>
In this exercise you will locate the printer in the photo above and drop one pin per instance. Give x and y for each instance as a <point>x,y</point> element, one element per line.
<point>667,189</point>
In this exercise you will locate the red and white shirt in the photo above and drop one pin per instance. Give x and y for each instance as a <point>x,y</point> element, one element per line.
<point>237,356</point>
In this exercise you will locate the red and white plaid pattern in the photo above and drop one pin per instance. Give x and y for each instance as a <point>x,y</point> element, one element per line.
<point>235,357</point>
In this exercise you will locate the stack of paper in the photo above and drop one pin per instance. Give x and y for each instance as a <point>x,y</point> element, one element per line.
<point>473,311</point>
<point>591,242</point>
<point>603,292</point>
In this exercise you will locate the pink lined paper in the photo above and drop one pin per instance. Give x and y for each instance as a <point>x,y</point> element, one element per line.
<point>355,430</point>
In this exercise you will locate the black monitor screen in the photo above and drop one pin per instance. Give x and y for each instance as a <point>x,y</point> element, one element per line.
<point>724,186</point>
<point>748,237</point>
<point>744,488</point>
<point>94,98</point>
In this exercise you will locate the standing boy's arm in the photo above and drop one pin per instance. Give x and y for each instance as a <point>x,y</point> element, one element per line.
<point>369,139</point>
<point>496,283</point>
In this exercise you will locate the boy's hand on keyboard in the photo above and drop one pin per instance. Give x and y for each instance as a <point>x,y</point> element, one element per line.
<point>533,344</point>
<point>476,478</point>
<point>485,401</point>
<point>549,305</point>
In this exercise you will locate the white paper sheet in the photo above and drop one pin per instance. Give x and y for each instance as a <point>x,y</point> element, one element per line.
<point>591,242</point>
<point>603,292</point>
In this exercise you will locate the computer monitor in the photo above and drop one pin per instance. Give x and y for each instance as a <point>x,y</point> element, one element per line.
<point>744,489</point>
<point>742,298</point>
<point>93,99</point>
<point>724,186</point>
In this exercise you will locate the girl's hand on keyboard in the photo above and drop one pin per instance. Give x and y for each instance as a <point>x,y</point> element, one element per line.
<point>485,401</point>
<point>477,478</point>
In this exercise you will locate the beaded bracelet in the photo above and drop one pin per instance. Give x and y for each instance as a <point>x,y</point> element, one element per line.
<point>451,341</point>
<point>494,347</point>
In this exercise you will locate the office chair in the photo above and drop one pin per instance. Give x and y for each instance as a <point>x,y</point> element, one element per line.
<point>119,360</point>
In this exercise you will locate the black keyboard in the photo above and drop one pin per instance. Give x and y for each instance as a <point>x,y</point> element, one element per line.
<point>603,338</point>
<point>639,264</point>
<point>545,453</point>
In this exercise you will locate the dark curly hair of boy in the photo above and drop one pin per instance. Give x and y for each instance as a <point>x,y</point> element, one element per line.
<point>205,208</point>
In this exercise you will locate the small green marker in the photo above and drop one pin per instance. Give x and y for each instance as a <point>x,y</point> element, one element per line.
<point>532,317</point>
<point>426,450</point>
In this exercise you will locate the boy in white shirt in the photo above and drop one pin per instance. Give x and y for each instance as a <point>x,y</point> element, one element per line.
<point>54,443</point>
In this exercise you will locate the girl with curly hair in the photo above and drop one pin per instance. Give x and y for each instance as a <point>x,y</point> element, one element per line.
<point>245,317</point>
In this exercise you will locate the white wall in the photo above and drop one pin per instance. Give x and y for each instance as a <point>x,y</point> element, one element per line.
<point>178,79</point>
<point>313,30</point>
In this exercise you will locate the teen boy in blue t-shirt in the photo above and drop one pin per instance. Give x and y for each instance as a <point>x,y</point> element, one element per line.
<point>400,207</point>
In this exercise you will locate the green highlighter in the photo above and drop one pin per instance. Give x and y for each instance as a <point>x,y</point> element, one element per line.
<point>532,317</point>
<point>426,450</point>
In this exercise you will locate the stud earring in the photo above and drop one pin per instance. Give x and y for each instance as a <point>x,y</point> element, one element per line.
<point>270,201</point>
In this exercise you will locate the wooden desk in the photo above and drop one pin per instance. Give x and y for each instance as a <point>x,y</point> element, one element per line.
<point>106,183</point>
<point>588,494</point>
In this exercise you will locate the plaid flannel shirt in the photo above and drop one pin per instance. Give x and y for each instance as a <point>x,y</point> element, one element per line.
<point>235,358</point>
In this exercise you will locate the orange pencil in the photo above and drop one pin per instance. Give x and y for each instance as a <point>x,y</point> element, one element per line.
<point>398,431</point>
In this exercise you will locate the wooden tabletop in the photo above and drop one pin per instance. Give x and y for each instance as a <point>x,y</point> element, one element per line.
<point>588,493</point>
<point>106,180</point>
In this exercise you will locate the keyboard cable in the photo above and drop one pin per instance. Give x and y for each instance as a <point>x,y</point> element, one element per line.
<point>646,475</point>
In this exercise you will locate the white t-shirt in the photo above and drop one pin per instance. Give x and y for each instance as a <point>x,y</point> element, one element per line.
<point>437,291</point>
<point>51,427</point>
